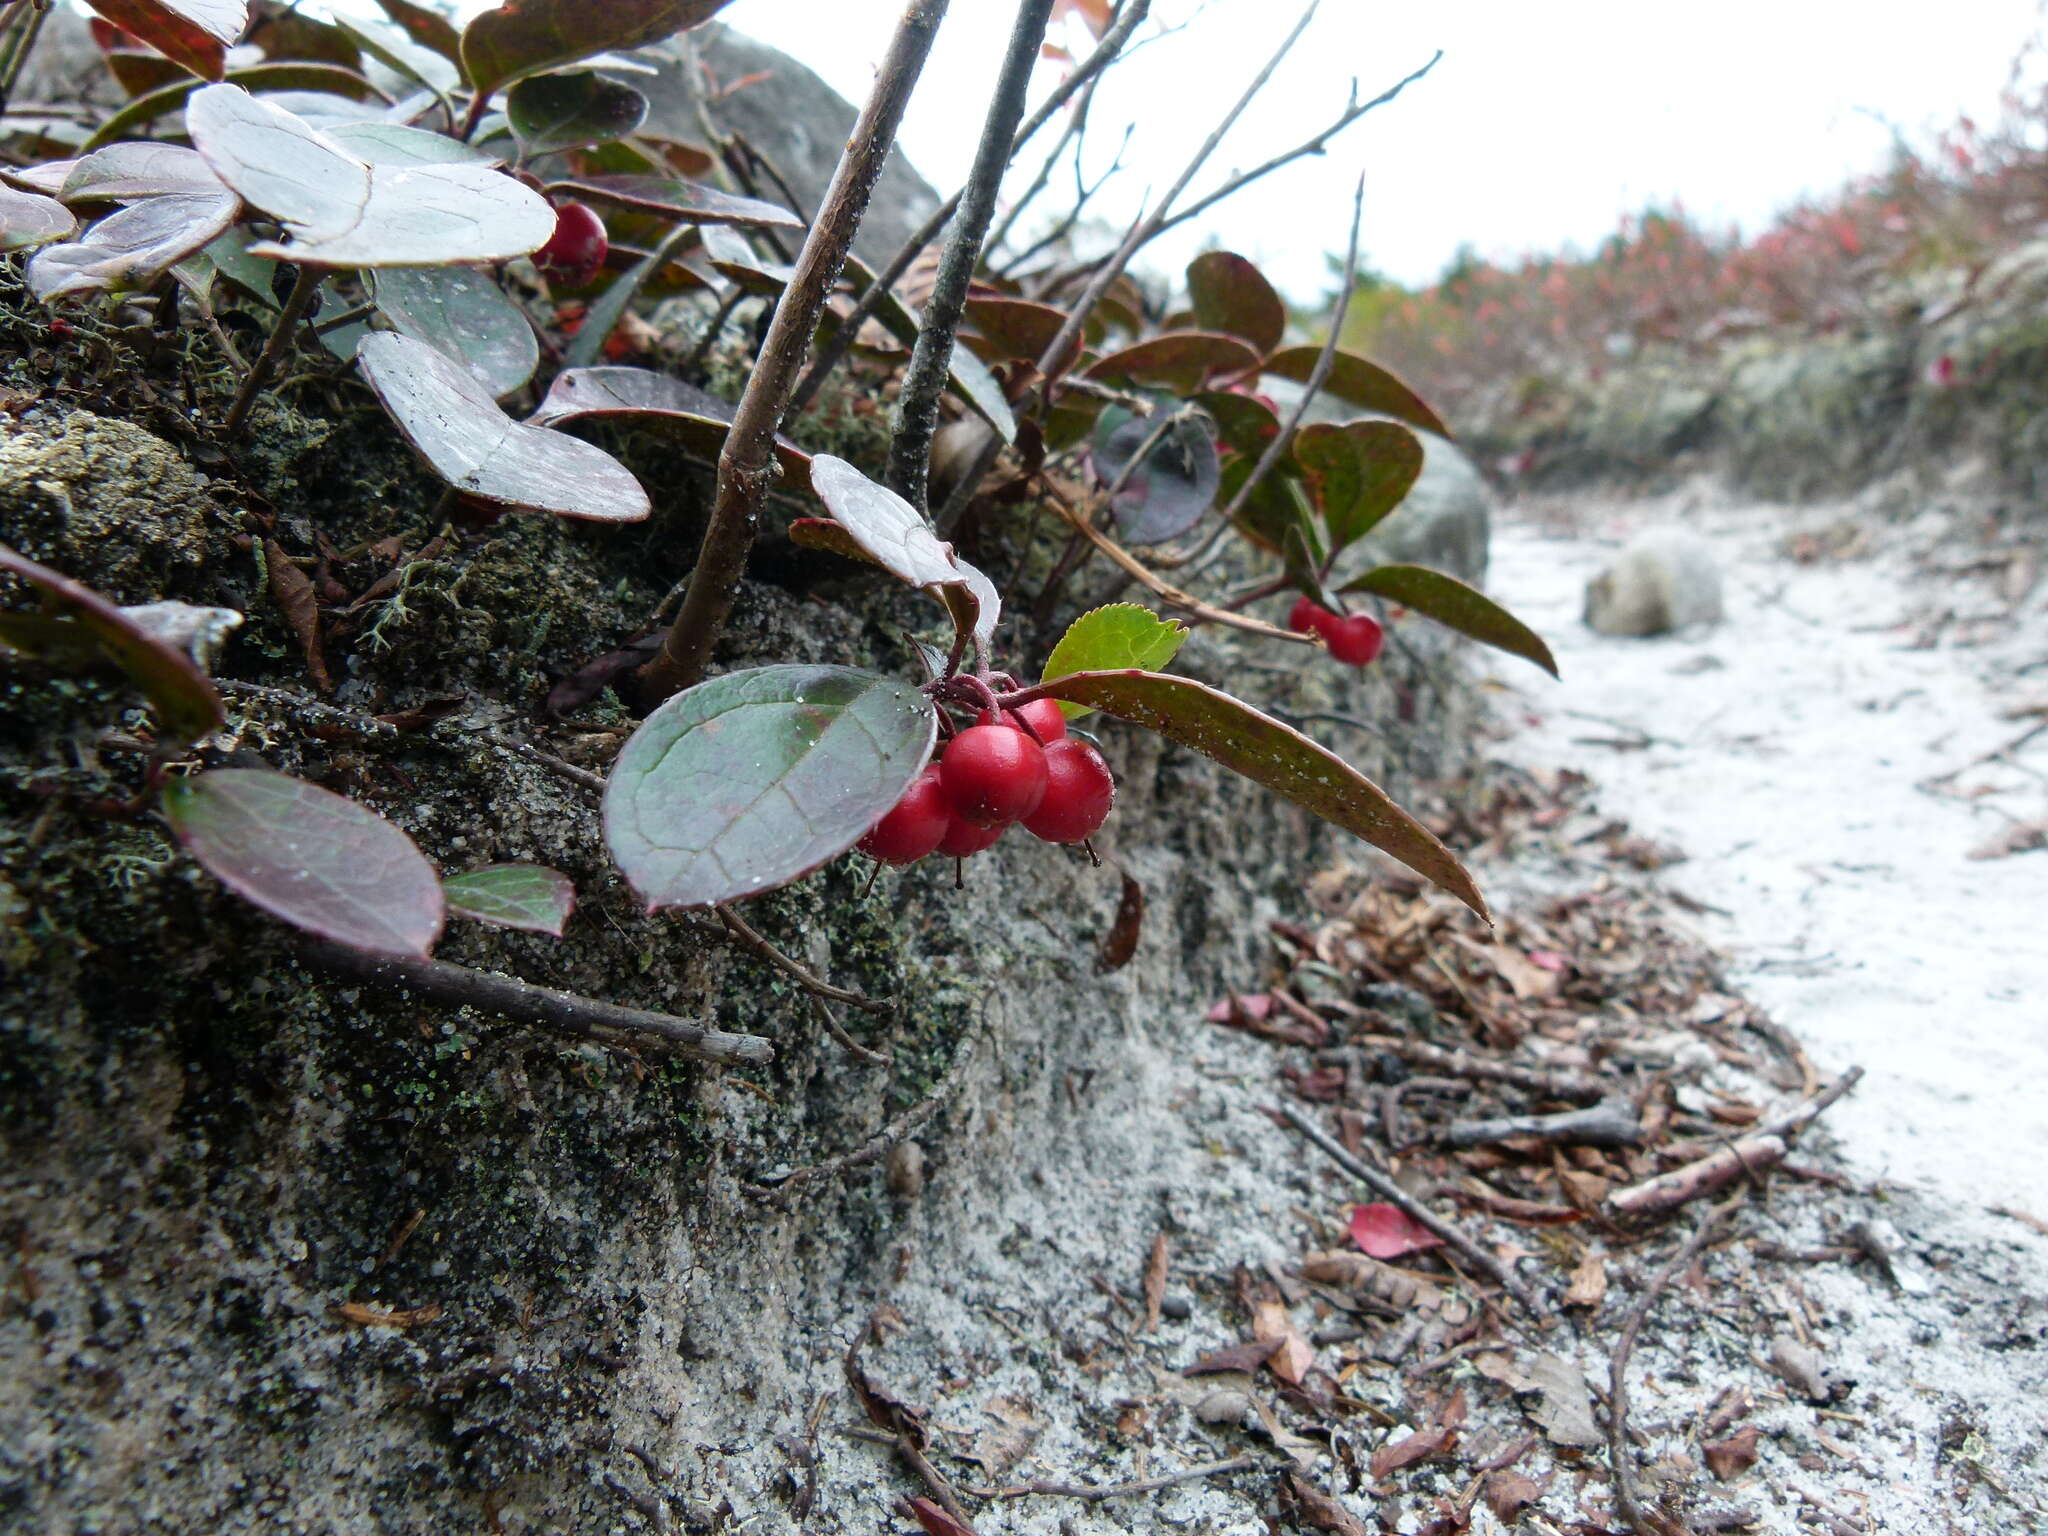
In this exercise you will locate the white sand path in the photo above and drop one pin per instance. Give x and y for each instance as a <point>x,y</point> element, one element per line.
<point>1786,747</point>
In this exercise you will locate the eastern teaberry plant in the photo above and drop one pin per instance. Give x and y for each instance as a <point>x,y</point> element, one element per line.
<point>382,212</point>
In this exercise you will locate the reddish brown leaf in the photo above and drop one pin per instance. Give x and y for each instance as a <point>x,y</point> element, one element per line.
<point>936,1521</point>
<point>1732,1457</point>
<point>196,33</point>
<point>292,590</point>
<point>1420,1446</point>
<point>1247,1357</point>
<point>1387,1232</point>
<point>1121,942</point>
<point>1317,1508</point>
<point>1507,1494</point>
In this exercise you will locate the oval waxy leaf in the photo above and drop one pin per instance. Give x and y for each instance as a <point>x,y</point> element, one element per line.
<point>463,314</point>
<point>1357,382</point>
<point>1166,494</point>
<point>140,169</point>
<point>314,858</point>
<point>551,113</point>
<point>652,401</point>
<point>1453,604</point>
<point>396,144</point>
<point>670,197</point>
<point>529,897</point>
<point>187,704</point>
<point>28,218</point>
<point>1245,424</point>
<point>404,56</point>
<point>343,211</point>
<point>1358,472</point>
<point>425,26</point>
<point>897,537</point>
<point>132,248</point>
<point>1018,328</point>
<point>196,33</point>
<point>1228,293</point>
<point>743,783</point>
<point>1275,755</point>
<point>1118,637</point>
<point>524,37</point>
<point>1182,361</point>
<point>479,450</point>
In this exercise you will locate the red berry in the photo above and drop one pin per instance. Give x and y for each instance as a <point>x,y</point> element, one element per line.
<point>994,774</point>
<point>963,839</point>
<point>576,249</point>
<point>915,826</point>
<point>1043,715</point>
<point>1356,639</point>
<point>1078,794</point>
<point>1307,616</point>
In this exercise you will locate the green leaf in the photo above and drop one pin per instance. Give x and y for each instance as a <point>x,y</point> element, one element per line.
<point>396,144</point>
<point>1245,423</point>
<point>552,113</point>
<point>1357,382</point>
<point>1275,755</point>
<point>1182,361</point>
<point>1450,602</point>
<point>28,219</point>
<point>131,249</point>
<point>402,55</point>
<point>1166,495</point>
<point>196,33</point>
<point>748,781</point>
<point>1357,472</point>
<point>1120,636</point>
<point>139,169</point>
<point>897,538</point>
<point>343,211</point>
<point>1228,293</point>
<point>530,897</point>
<point>655,402</point>
<point>479,450</point>
<point>186,702</point>
<point>525,37</point>
<point>321,862</point>
<point>425,26</point>
<point>1277,503</point>
<point>464,314</point>
<point>257,77</point>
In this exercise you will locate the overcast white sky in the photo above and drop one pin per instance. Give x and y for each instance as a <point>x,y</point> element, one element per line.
<point>1541,125</point>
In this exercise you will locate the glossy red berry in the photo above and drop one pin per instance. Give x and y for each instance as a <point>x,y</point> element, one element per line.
<point>993,774</point>
<point>1356,639</point>
<point>1043,715</point>
<point>1307,615</point>
<point>576,249</point>
<point>915,826</point>
<point>963,839</point>
<point>1078,794</point>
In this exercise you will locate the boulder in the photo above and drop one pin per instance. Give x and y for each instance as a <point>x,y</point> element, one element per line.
<point>1665,579</point>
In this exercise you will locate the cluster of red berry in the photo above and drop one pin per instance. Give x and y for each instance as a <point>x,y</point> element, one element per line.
<point>1355,638</point>
<point>992,775</point>
<point>576,249</point>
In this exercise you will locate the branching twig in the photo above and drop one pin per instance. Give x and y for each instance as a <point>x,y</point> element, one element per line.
<point>1764,1145</point>
<point>1352,112</point>
<point>750,939</point>
<point>917,406</point>
<point>564,1012</point>
<point>1390,1191</point>
<point>746,464</point>
<point>1284,441</point>
<point>831,354</point>
<point>1617,1373</point>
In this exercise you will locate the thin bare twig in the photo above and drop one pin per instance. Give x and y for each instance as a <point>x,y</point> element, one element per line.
<point>1391,1192</point>
<point>564,1012</point>
<point>1763,1146</point>
<point>917,404</point>
<point>288,318</point>
<point>1625,1498</point>
<point>755,943</point>
<point>1095,1493</point>
<point>746,464</point>
<point>1353,111</point>
<point>835,350</point>
<point>1284,442</point>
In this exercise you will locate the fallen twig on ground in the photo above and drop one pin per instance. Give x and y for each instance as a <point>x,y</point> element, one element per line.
<point>1611,1124</point>
<point>1763,1147</point>
<point>1094,1493</point>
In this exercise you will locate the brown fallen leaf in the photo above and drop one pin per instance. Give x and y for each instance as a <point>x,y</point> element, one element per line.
<point>1292,1355</point>
<point>1734,1456</point>
<point>1155,1283</point>
<point>1321,1510</point>
<point>1410,1449</point>
<point>1507,1494</point>
<point>936,1521</point>
<point>358,1315</point>
<point>1246,1357</point>
<point>2021,837</point>
<point>1588,1286</point>
<point>292,590</point>
<point>1121,942</point>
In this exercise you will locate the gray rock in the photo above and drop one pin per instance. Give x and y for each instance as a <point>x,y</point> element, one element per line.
<point>1665,579</point>
<point>787,113</point>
